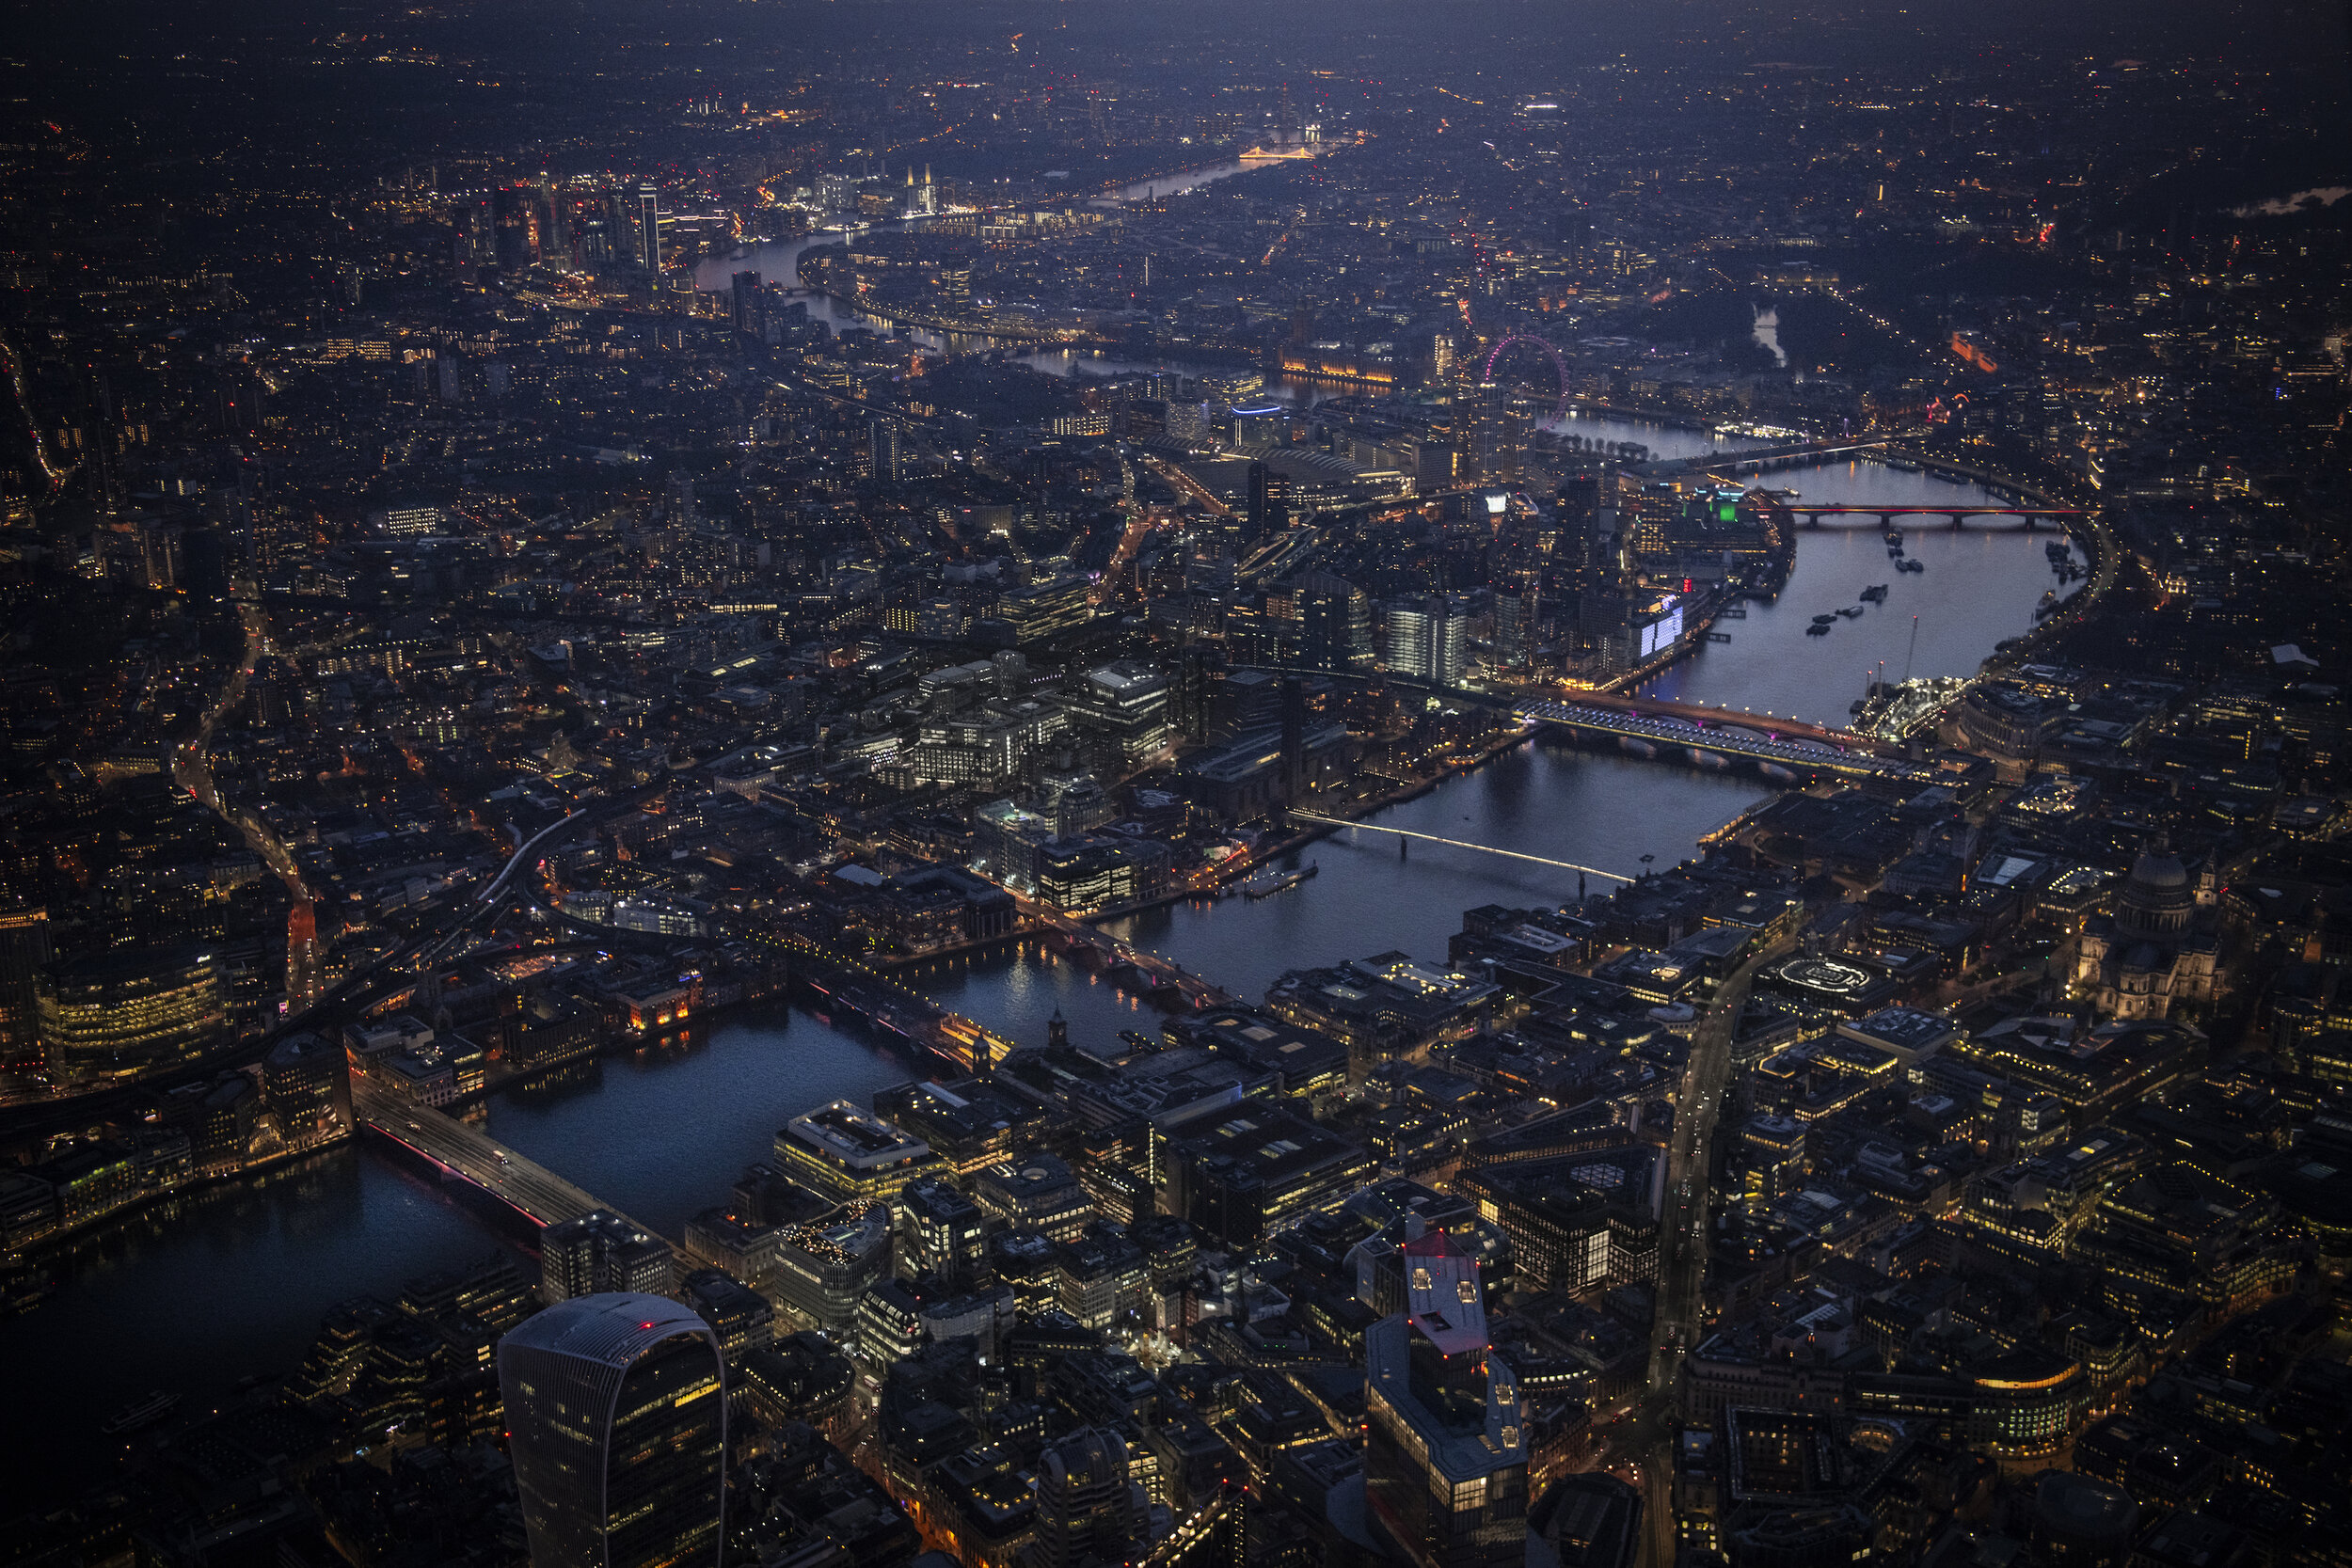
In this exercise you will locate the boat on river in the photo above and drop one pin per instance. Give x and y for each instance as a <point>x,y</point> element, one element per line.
<point>1267,883</point>
<point>141,1411</point>
<point>1819,628</point>
<point>1875,594</point>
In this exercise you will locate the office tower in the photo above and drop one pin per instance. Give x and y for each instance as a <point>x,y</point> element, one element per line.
<point>1585,544</point>
<point>850,1155</point>
<point>649,228</point>
<point>555,240</point>
<point>1335,622</point>
<point>1445,1445</point>
<point>941,1233</point>
<point>1436,465</point>
<point>1125,703</point>
<point>23,950</point>
<point>1086,1505</point>
<point>1510,628</point>
<point>1493,437</point>
<point>306,1083</point>
<point>881,445</point>
<point>616,1420</point>
<point>516,241</point>
<point>1293,739</point>
<point>1270,501</point>
<point>1428,638</point>
<point>1009,668</point>
<point>824,1268</point>
<point>479,242</point>
<point>743,297</point>
<point>599,1252</point>
<point>131,1010</point>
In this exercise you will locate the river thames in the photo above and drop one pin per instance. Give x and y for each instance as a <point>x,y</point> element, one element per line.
<point>231,1284</point>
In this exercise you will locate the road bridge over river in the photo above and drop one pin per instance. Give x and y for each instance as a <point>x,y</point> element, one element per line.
<point>1957,516</point>
<point>469,1155</point>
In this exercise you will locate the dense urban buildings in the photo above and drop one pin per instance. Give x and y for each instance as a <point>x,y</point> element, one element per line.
<point>898,784</point>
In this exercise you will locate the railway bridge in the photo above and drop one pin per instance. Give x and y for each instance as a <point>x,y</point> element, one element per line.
<point>1791,750</point>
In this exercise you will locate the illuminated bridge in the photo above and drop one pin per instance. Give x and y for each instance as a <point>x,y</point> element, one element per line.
<point>1957,516</point>
<point>1758,460</point>
<point>1791,751</point>
<point>469,1155</point>
<point>1454,843</point>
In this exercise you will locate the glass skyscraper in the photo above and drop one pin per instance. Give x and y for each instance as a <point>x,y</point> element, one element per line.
<point>616,1415</point>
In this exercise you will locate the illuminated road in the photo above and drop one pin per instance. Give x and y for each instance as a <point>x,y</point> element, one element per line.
<point>495,887</point>
<point>1648,1442</point>
<point>473,1156</point>
<point>1185,483</point>
<point>191,766</point>
<point>1458,844</point>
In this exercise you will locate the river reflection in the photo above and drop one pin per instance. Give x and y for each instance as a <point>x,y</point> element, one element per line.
<point>1539,798</point>
<point>231,1281</point>
<point>1980,587</point>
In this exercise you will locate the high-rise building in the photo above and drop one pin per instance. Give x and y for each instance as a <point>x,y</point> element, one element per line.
<point>1294,740</point>
<point>1510,639</point>
<point>600,1252</point>
<point>881,443</point>
<point>1125,703</point>
<point>616,1419</point>
<point>1493,431</point>
<point>120,1013</point>
<point>1445,1445</point>
<point>743,299</point>
<point>941,1234</point>
<point>1429,638</point>
<point>1269,501</point>
<point>23,950</point>
<point>1086,1505</point>
<point>649,228</point>
<point>1335,622</point>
